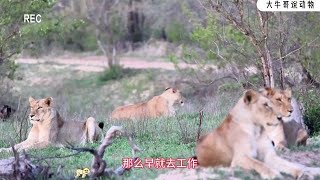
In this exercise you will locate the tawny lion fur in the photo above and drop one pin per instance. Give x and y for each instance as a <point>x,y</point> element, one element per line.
<point>48,128</point>
<point>242,141</point>
<point>287,133</point>
<point>158,106</point>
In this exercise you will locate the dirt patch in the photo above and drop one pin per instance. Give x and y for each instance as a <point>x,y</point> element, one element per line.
<point>89,68</point>
<point>98,63</point>
<point>209,173</point>
<point>198,173</point>
<point>308,158</point>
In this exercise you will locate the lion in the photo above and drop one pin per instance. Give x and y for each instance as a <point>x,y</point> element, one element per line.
<point>158,106</point>
<point>289,132</point>
<point>241,140</point>
<point>49,128</point>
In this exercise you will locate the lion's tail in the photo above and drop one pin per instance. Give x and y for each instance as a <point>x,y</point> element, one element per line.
<point>195,158</point>
<point>92,131</point>
<point>101,125</point>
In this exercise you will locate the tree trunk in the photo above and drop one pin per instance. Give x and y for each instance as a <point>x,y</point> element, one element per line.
<point>115,58</point>
<point>266,61</point>
<point>260,42</point>
<point>112,56</point>
<point>109,52</point>
<point>110,60</point>
<point>270,78</point>
<point>282,42</point>
<point>281,68</point>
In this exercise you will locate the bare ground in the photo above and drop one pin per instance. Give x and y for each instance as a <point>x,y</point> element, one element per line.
<point>99,63</point>
<point>308,158</point>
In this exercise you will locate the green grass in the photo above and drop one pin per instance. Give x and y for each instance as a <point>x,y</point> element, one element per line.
<point>78,95</point>
<point>158,138</point>
<point>116,72</point>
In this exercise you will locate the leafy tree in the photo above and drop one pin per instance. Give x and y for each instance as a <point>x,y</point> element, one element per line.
<point>236,33</point>
<point>12,34</point>
<point>109,18</point>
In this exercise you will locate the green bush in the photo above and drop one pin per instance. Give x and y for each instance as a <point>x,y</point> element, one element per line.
<point>312,111</point>
<point>79,40</point>
<point>113,73</point>
<point>312,118</point>
<point>176,32</point>
<point>116,72</point>
<point>157,33</point>
<point>62,33</point>
<point>7,69</point>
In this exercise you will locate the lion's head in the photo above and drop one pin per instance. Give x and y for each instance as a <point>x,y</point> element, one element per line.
<point>40,110</point>
<point>281,99</point>
<point>173,95</point>
<point>260,109</point>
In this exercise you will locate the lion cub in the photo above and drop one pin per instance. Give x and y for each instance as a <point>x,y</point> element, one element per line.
<point>158,106</point>
<point>49,128</point>
<point>241,140</point>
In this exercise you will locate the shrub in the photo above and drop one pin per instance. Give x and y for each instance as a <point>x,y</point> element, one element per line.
<point>312,112</point>
<point>116,72</point>
<point>79,40</point>
<point>176,32</point>
<point>312,118</point>
<point>158,33</point>
<point>113,73</point>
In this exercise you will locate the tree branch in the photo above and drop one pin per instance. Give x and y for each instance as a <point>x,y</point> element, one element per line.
<point>200,123</point>
<point>99,165</point>
<point>297,49</point>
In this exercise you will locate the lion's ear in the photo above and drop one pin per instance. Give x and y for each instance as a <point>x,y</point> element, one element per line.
<point>167,88</point>
<point>174,90</point>
<point>250,96</point>
<point>48,101</point>
<point>31,100</point>
<point>267,91</point>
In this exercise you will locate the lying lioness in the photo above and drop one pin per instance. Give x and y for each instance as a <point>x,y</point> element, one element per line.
<point>241,140</point>
<point>48,127</point>
<point>158,106</point>
<point>288,133</point>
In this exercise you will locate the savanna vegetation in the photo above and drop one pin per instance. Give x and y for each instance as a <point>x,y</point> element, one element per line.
<point>216,49</point>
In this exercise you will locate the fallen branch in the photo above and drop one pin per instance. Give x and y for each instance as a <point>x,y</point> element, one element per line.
<point>21,167</point>
<point>99,166</point>
<point>297,49</point>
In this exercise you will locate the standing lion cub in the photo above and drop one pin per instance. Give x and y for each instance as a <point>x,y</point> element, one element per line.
<point>49,128</point>
<point>158,106</point>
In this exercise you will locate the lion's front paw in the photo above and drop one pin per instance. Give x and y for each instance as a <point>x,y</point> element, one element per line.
<point>282,148</point>
<point>272,174</point>
<point>313,170</point>
<point>305,176</point>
